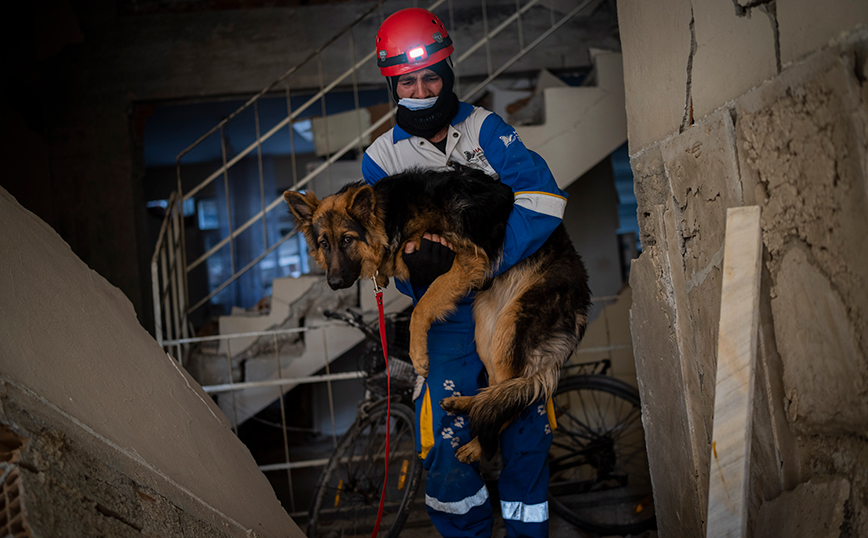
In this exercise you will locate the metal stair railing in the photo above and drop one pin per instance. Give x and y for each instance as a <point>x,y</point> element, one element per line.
<point>169,265</point>
<point>282,383</point>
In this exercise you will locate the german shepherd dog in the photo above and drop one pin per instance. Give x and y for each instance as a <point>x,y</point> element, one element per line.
<point>528,319</point>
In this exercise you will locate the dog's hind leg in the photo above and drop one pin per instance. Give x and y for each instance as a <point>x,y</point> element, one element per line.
<point>470,452</point>
<point>440,300</point>
<point>457,404</point>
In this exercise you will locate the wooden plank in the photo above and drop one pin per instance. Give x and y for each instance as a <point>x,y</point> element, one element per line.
<point>736,357</point>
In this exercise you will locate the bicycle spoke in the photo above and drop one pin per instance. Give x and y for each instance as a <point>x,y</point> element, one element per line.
<point>578,437</point>
<point>559,462</point>
<point>595,395</point>
<point>634,415</point>
<point>580,424</point>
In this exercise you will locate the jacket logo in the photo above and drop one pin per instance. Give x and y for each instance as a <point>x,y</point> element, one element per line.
<point>507,140</point>
<point>475,156</point>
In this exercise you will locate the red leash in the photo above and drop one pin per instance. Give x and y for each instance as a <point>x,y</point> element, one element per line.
<point>378,291</point>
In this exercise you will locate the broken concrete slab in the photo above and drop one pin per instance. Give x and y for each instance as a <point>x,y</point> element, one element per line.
<point>662,386</point>
<point>687,360</point>
<point>704,303</point>
<point>703,171</point>
<point>815,509</point>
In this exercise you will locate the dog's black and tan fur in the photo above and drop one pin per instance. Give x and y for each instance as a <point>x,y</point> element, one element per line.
<point>528,319</point>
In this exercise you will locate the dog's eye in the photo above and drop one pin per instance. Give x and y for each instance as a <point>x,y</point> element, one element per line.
<point>323,244</point>
<point>347,241</point>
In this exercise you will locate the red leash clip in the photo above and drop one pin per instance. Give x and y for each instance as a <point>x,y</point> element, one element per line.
<point>378,292</point>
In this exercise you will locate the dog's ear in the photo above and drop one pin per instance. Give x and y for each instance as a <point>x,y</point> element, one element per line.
<point>361,205</point>
<point>302,206</point>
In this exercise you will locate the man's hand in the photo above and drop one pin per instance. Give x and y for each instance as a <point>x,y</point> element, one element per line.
<point>434,257</point>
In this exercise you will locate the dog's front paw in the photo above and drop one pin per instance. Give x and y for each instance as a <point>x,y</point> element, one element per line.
<point>470,452</point>
<point>419,356</point>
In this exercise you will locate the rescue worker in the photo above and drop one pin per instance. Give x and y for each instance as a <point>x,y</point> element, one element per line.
<point>437,131</point>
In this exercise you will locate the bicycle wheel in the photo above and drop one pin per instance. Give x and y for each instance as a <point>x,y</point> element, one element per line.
<point>348,492</point>
<point>598,463</point>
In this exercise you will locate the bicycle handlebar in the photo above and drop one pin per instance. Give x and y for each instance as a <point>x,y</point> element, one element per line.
<point>353,319</point>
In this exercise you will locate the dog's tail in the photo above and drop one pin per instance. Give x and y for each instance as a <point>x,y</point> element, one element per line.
<point>493,407</point>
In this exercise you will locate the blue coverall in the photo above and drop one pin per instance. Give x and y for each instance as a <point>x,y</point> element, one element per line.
<point>456,497</point>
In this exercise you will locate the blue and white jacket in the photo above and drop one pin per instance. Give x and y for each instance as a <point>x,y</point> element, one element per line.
<point>480,139</point>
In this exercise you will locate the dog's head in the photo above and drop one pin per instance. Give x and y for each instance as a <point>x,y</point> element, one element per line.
<point>344,232</point>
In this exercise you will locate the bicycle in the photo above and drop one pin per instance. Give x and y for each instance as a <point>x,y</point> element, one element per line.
<point>599,479</point>
<point>348,491</point>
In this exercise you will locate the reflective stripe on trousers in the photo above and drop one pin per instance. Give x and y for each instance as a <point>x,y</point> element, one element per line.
<point>526,513</point>
<point>458,507</point>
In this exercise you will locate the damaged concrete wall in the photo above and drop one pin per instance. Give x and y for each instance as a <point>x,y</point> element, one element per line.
<point>120,440</point>
<point>742,103</point>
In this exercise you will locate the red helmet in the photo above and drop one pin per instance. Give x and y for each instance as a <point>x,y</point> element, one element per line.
<point>409,40</point>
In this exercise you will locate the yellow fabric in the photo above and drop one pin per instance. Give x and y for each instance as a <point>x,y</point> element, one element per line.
<point>550,411</point>
<point>426,424</point>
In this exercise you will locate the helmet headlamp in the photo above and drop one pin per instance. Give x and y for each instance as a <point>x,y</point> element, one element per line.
<point>418,53</point>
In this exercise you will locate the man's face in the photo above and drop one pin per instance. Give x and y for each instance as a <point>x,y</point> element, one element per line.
<point>420,84</point>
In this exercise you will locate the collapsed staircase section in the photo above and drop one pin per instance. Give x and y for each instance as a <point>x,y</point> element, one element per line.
<point>122,442</point>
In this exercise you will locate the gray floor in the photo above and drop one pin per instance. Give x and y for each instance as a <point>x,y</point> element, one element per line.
<point>419,525</point>
<point>558,528</point>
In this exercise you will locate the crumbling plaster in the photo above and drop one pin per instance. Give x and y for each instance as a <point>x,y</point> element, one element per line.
<point>72,484</point>
<point>815,508</point>
<point>803,147</point>
<point>796,146</point>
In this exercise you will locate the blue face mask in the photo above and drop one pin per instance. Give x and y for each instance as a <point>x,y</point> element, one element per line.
<point>417,104</point>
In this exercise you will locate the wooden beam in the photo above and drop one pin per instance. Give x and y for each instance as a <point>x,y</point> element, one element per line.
<point>736,357</point>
